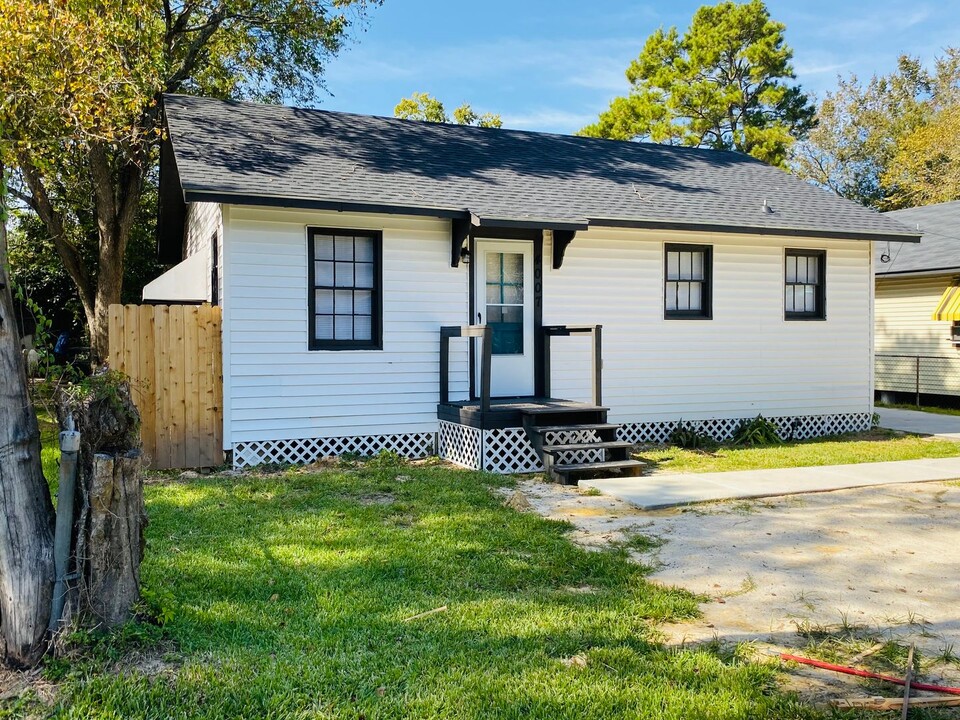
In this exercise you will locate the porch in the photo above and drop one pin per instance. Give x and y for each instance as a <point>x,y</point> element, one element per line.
<point>567,439</point>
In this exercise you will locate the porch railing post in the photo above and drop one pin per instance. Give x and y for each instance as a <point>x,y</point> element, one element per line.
<point>444,366</point>
<point>546,364</point>
<point>597,365</point>
<point>486,362</point>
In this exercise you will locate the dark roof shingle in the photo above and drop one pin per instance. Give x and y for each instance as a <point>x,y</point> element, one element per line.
<point>299,156</point>
<point>939,249</point>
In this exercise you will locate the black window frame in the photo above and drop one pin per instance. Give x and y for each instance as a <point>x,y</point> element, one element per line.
<point>376,318</point>
<point>821,293</point>
<point>706,287</point>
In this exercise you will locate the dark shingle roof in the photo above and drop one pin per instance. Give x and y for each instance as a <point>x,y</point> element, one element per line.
<point>939,249</point>
<point>321,159</point>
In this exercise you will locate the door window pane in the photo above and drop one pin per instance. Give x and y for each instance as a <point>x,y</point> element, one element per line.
<point>507,324</point>
<point>504,297</point>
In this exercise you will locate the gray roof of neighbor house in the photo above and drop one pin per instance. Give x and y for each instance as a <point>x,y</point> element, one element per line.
<point>938,250</point>
<point>246,153</point>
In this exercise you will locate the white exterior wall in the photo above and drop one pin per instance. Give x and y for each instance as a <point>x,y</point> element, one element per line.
<point>204,226</point>
<point>904,307</point>
<point>275,388</point>
<point>746,360</point>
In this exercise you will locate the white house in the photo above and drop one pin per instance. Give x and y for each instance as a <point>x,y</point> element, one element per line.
<point>918,308</point>
<point>617,287</point>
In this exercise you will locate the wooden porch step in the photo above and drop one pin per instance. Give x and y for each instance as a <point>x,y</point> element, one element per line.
<point>608,445</point>
<point>564,409</point>
<point>597,466</point>
<point>573,428</point>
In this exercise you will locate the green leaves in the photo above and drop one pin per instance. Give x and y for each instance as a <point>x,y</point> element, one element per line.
<point>423,106</point>
<point>719,85</point>
<point>890,142</point>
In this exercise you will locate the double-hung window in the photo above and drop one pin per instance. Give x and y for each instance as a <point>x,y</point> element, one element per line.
<point>345,292</point>
<point>804,293</point>
<point>687,281</point>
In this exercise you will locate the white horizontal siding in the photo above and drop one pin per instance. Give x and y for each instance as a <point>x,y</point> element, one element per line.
<point>204,226</point>
<point>746,360</point>
<point>278,389</point>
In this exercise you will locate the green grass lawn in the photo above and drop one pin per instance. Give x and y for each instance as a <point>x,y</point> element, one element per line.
<point>874,446</point>
<point>289,596</point>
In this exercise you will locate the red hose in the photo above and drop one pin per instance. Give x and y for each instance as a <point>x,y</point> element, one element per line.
<point>867,674</point>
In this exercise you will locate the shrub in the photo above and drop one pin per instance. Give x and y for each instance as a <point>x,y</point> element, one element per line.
<point>755,433</point>
<point>688,437</point>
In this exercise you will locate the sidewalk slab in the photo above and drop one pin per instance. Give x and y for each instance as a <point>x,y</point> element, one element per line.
<point>654,492</point>
<point>921,423</point>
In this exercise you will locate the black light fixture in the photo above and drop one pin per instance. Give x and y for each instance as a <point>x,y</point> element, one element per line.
<point>465,255</point>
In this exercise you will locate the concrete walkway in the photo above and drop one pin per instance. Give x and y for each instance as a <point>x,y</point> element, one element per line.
<point>922,423</point>
<point>661,491</point>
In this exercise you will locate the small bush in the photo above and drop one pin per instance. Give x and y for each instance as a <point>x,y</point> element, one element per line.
<point>686,436</point>
<point>758,432</point>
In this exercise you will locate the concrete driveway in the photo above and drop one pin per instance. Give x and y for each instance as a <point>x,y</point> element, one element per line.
<point>921,423</point>
<point>881,562</point>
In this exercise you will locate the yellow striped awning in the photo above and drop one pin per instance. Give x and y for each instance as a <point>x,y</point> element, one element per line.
<point>949,305</point>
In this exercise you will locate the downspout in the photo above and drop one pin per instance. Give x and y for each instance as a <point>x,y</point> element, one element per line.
<point>63,535</point>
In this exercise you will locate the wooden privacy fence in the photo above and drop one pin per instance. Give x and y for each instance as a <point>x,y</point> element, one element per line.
<point>172,354</point>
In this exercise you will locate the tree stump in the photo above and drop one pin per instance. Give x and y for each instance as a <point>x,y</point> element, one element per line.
<point>110,518</point>
<point>115,539</point>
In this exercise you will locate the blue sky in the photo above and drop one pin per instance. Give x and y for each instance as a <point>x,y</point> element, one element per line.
<point>554,65</point>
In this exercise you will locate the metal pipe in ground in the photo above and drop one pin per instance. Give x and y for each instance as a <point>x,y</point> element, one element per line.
<point>63,535</point>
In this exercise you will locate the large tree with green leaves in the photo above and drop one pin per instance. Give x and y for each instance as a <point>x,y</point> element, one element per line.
<point>80,119</point>
<point>423,106</point>
<point>724,84</point>
<point>128,55</point>
<point>872,144</point>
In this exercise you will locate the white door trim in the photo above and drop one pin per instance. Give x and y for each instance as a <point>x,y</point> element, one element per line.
<point>511,375</point>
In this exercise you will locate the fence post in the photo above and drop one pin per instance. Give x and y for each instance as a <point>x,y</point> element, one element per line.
<point>918,381</point>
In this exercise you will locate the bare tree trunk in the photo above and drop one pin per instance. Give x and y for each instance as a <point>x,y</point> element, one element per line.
<point>116,537</point>
<point>111,518</point>
<point>26,513</point>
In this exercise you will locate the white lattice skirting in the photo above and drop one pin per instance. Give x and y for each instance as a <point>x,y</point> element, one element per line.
<point>720,429</point>
<point>507,450</point>
<point>302,452</point>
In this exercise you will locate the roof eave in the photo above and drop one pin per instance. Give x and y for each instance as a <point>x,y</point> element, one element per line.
<point>753,230</point>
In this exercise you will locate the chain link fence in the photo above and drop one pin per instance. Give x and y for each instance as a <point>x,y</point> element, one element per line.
<point>917,375</point>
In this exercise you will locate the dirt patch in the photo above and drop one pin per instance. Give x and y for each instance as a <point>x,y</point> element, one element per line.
<point>376,499</point>
<point>861,566</point>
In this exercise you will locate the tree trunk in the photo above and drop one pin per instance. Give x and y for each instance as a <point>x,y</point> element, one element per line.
<point>115,541</point>
<point>26,512</point>
<point>110,517</point>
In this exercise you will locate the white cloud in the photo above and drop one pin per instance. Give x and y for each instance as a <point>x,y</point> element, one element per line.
<point>547,119</point>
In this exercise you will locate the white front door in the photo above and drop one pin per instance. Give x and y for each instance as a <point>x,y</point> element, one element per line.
<point>504,301</point>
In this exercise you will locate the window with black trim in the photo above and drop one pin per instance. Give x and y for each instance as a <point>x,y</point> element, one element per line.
<point>688,271</point>
<point>804,291</point>
<point>345,278</point>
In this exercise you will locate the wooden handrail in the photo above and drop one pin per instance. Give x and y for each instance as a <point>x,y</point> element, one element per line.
<point>485,333</point>
<point>596,335</point>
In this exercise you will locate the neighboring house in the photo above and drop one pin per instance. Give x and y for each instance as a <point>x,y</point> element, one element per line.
<point>339,246</point>
<point>918,307</point>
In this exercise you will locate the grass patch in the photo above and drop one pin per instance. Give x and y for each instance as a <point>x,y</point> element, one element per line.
<point>873,446</point>
<point>49,448</point>
<point>922,408</point>
<point>289,596</point>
